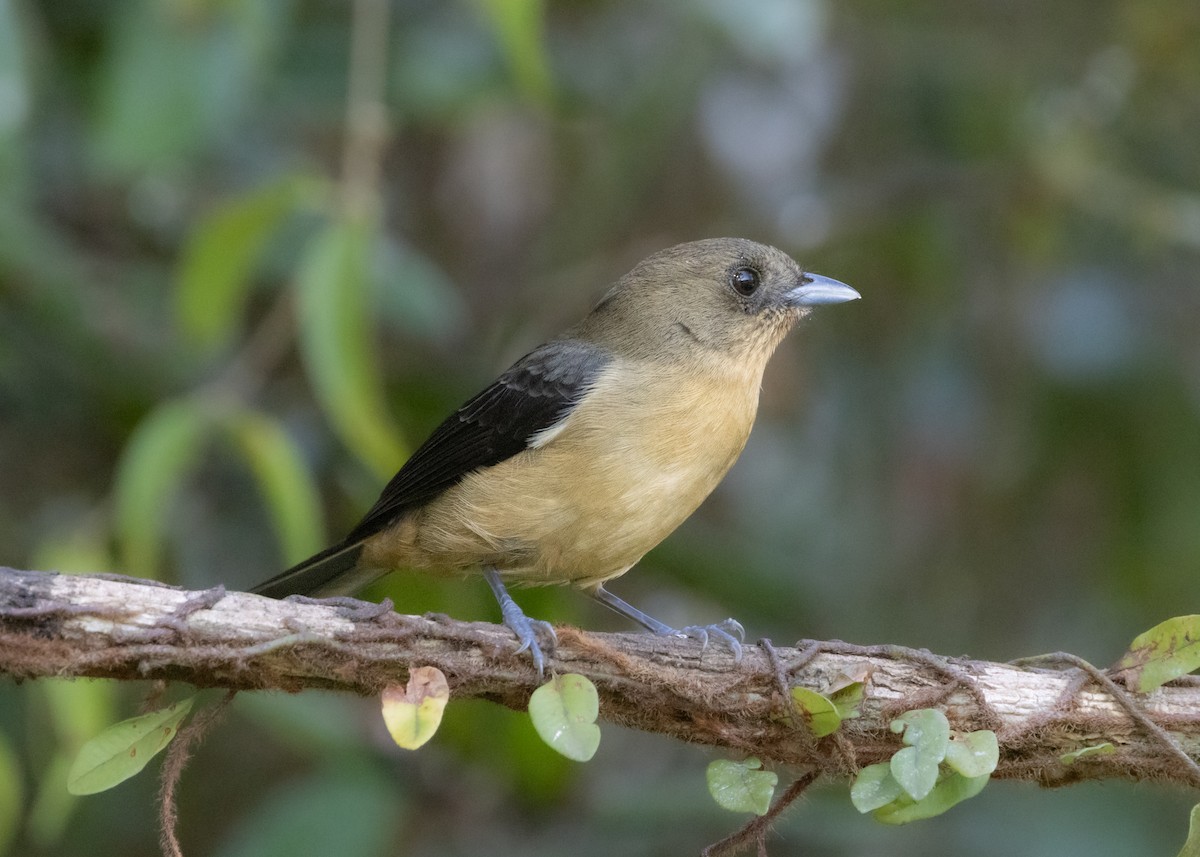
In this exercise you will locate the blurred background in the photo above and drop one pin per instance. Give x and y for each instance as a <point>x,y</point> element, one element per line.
<point>252,252</point>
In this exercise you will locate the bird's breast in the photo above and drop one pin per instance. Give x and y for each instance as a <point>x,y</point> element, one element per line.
<point>625,468</point>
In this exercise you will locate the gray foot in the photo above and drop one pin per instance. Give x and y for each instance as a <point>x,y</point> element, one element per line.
<point>525,628</point>
<point>730,632</point>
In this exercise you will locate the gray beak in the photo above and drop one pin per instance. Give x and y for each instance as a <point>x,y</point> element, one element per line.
<point>815,290</point>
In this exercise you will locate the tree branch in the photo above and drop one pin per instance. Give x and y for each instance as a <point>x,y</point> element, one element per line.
<point>61,625</point>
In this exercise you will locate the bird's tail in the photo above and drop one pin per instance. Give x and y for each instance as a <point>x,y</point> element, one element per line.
<point>334,571</point>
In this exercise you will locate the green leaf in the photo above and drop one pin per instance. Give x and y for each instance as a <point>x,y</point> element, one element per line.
<point>950,790</point>
<point>335,339</point>
<point>927,732</point>
<point>1105,749</point>
<point>973,754</point>
<point>847,700</point>
<point>741,786</point>
<point>915,771</point>
<point>286,485</point>
<point>214,276</point>
<point>413,713</point>
<point>913,785</point>
<point>1167,651</point>
<point>154,464</point>
<point>1191,848</point>
<point>10,795</point>
<point>819,712</point>
<point>519,27</point>
<point>564,712</point>
<point>124,748</point>
<point>924,727</point>
<point>874,787</point>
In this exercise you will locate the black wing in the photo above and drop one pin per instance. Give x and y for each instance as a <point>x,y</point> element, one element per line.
<point>539,390</point>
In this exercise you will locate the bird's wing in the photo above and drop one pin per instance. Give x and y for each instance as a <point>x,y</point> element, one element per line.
<point>536,393</point>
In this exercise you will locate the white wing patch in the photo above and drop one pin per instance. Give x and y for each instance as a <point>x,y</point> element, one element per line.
<point>549,433</point>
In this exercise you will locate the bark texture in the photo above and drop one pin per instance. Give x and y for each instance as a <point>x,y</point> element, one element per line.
<point>62,625</point>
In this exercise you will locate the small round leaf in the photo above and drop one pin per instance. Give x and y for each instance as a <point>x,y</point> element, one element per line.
<point>950,790</point>
<point>741,786</point>
<point>915,767</point>
<point>973,754</point>
<point>413,713</point>
<point>916,772</point>
<point>563,711</point>
<point>874,787</point>
<point>924,727</point>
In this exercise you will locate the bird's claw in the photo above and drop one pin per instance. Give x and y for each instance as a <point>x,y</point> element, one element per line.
<point>527,630</point>
<point>730,632</point>
<point>515,619</point>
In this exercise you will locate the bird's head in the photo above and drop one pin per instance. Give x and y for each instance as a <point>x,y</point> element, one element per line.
<point>728,297</point>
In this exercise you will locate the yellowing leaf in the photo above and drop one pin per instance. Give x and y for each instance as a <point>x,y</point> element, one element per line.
<point>973,754</point>
<point>1105,749</point>
<point>1167,651</point>
<point>413,713</point>
<point>820,713</point>
<point>564,711</point>
<point>124,748</point>
<point>741,786</point>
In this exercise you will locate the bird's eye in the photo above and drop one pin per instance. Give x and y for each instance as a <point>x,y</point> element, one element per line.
<point>745,281</point>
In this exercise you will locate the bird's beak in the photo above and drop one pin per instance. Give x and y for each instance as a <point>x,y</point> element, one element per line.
<point>815,290</point>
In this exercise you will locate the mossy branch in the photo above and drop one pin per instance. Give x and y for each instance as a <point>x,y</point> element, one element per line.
<point>63,625</point>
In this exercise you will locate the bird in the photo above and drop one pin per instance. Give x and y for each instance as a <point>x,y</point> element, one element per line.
<point>593,447</point>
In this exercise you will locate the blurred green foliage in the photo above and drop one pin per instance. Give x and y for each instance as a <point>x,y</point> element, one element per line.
<point>218,328</point>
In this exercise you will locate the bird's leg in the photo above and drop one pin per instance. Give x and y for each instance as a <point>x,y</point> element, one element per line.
<point>520,624</point>
<point>729,632</point>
